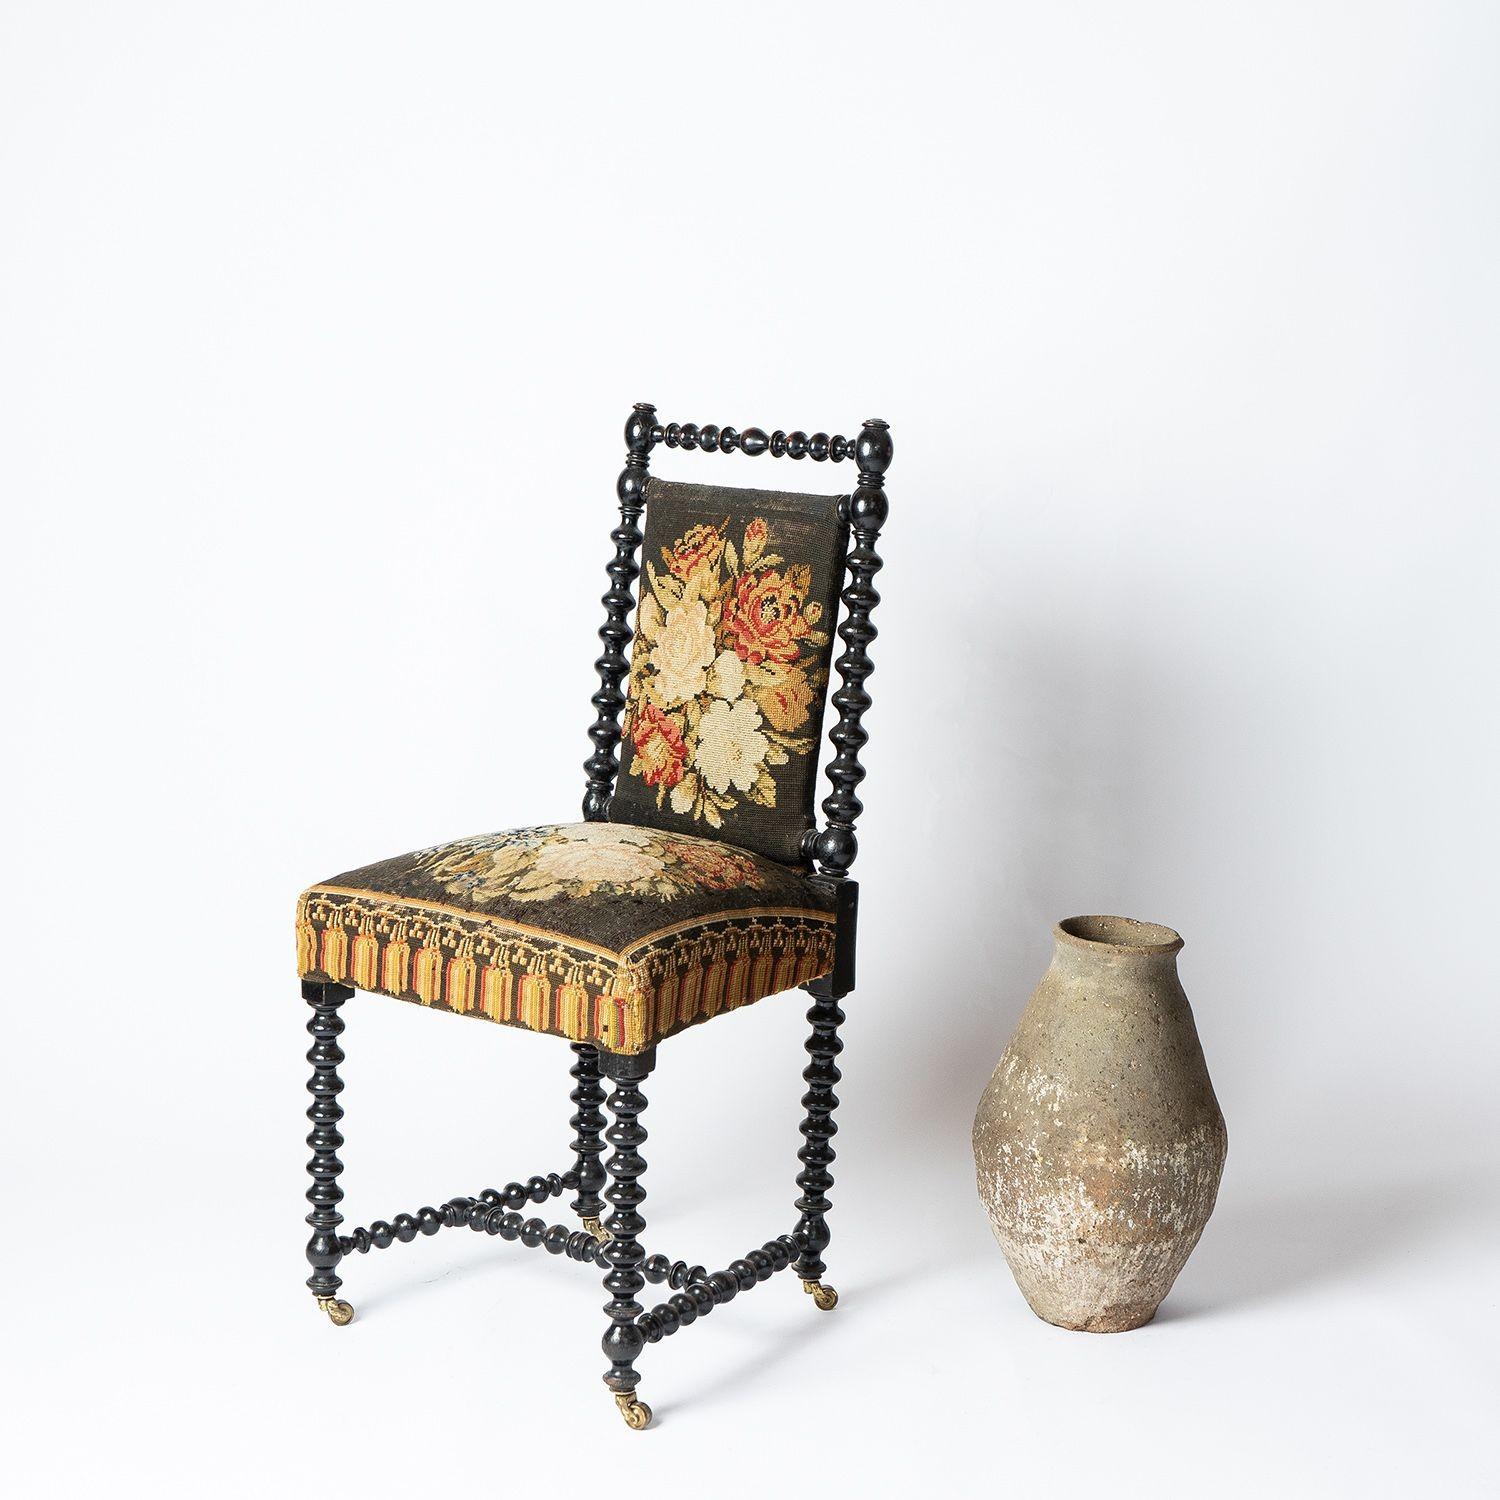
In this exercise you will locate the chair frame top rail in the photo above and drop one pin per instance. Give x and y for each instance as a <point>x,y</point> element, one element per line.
<point>754,441</point>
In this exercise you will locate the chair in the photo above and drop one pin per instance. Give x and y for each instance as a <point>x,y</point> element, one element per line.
<point>697,883</point>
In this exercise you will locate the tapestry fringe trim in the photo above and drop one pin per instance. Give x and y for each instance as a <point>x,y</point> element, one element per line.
<point>524,978</point>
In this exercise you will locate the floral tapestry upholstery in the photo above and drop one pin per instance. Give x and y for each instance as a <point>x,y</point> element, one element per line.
<point>729,670</point>
<point>600,932</point>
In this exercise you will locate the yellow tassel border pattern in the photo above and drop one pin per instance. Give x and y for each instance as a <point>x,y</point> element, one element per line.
<point>622,1002</point>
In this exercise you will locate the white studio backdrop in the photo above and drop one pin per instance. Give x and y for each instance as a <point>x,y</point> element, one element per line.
<point>320,325</point>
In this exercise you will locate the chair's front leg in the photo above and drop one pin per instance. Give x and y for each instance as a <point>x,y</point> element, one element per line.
<point>623,1254</point>
<point>588,1142</point>
<point>325,1112</point>
<point>822,1072</point>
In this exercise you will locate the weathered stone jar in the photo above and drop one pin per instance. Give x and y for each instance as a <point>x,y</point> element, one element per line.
<point>1099,1143</point>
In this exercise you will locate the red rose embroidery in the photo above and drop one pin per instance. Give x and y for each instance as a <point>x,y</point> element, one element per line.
<point>703,546</point>
<point>764,617</point>
<point>658,745</point>
<point>718,869</point>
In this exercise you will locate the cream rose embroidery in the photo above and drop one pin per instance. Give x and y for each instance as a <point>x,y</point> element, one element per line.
<point>727,678</point>
<point>570,863</point>
<point>682,653</point>
<point>578,859</point>
<point>731,748</point>
<point>605,833</point>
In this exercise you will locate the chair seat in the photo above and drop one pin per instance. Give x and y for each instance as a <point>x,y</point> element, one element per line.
<point>600,932</point>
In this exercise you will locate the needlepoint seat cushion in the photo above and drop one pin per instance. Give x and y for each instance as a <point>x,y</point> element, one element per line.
<point>609,933</point>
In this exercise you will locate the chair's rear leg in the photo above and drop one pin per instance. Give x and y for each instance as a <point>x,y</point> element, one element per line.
<point>588,1140</point>
<point>817,1154</point>
<point>325,1112</point>
<point>623,1254</point>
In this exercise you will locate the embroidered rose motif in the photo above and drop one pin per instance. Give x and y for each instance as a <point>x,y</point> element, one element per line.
<point>575,862</point>
<point>702,547</point>
<point>578,859</point>
<point>764,617</point>
<point>731,748</point>
<point>726,678</point>
<point>717,866</point>
<point>757,534</point>
<point>682,653</point>
<point>787,700</point>
<point>725,671</point>
<point>658,745</point>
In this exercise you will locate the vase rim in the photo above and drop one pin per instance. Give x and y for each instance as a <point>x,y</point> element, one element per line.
<point>1117,934</point>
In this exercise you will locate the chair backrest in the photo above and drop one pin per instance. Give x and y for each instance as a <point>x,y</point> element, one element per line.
<point>732,645</point>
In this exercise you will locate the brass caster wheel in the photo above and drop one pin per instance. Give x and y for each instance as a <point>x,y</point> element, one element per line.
<point>636,1413</point>
<point>596,1229</point>
<point>824,1297</point>
<point>338,1312</point>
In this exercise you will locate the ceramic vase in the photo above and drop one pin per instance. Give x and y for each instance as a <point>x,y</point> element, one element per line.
<point>1099,1144</point>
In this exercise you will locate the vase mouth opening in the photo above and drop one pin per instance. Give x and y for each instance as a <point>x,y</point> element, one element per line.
<point>1120,934</point>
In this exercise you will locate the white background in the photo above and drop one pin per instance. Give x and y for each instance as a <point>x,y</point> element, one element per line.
<point>320,325</point>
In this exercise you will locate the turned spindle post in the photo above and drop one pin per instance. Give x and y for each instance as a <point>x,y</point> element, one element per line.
<point>588,1141</point>
<point>324,1193</point>
<point>618,600</point>
<point>624,1340</point>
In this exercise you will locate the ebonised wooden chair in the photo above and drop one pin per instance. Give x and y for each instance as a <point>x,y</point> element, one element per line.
<point>697,884</point>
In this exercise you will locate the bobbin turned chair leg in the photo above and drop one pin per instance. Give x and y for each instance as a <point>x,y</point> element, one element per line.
<point>817,1154</point>
<point>588,1142</point>
<point>624,1340</point>
<point>325,1112</point>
